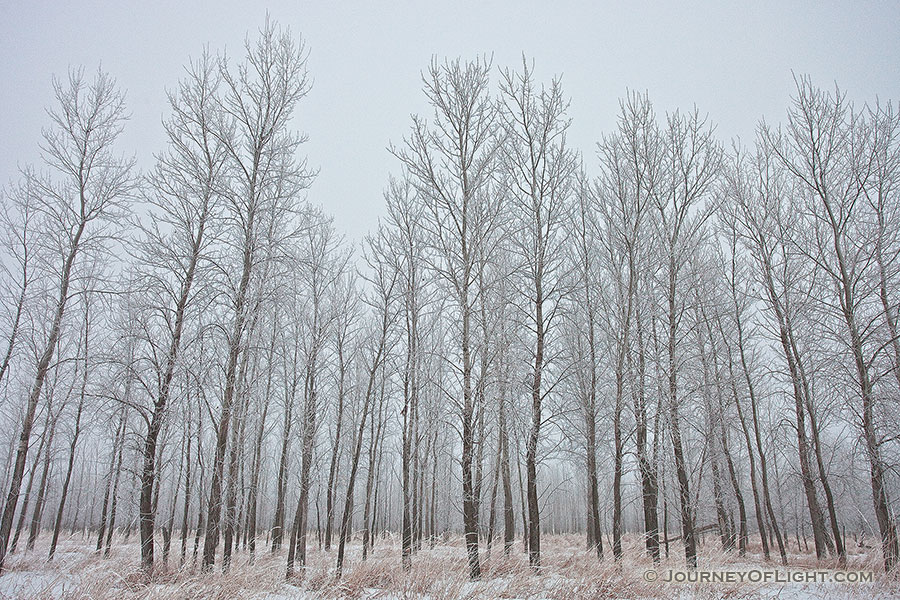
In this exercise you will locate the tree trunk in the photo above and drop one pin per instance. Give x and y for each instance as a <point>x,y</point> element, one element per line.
<point>370,476</point>
<point>214,511</point>
<point>335,450</point>
<point>38,512</point>
<point>235,453</point>
<point>618,456</point>
<point>767,496</point>
<point>308,441</point>
<point>534,517</point>
<point>684,492</point>
<point>72,446</point>
<point>20,524</point>
<point>354,465</point>
<point>115,489</point>
<point>281,481</point>
<point>823,478</point>
<point>188,481</point>
<point>649,484</point>
<point>257,449</point>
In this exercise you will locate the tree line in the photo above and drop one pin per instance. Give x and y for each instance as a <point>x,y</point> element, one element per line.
<point>531,339</point>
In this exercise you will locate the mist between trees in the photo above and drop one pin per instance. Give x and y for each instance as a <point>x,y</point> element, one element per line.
<point>666,334</point>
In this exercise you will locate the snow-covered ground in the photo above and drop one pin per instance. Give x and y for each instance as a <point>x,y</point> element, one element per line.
<point>439,573</point>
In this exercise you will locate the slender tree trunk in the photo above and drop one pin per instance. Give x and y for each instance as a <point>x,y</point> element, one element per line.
<point>509,519</point>
<point>886,526</point>
<point>423,464</point>
<point>729,462</point>
<point>618,457</point>
<point>188,482</point>
<point>415,504</point>
<point>281,481</point>
<point>735,486</point>
<point>374,433</point>
<point>214,512</point>
<point>757,501</point>
<point>335,450</point>
<point>534,517</point>
<point>826,487</point>
<point>649,483</point>
<point>168,529</point>
<point>767,497</point>
<point>20,524</point>
<point>684,493</point>
<point>252,501</point>
<point>308,448</point>
<point>115,489</point>
<point>235,453</point>
<point>147,515</point>
<point>38,512</point>
<point>890,310</point>
<point>73,523</point>
<point>432,529</point>
<point>815,512</point>
<point>72,447</point>
<point>495,483</point>
<point>470,502</point>
<point>409,393</point>
<point>20,304</point>
<point>716,442</point>
<point>354,465</point>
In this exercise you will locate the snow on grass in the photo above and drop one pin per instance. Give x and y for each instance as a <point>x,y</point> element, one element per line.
<point>568,572</point>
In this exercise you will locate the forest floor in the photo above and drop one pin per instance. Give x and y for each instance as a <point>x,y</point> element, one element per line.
<point>569,572</point>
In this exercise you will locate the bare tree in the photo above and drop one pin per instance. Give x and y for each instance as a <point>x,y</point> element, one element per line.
<point>257,104</point>
<point>828,148</point>
<point>20,245</point>
<point>347,315</point>
<point>767,230</point>
<point>406,238</point>
<point>185,188</point>
<point>450,164</point>
<point>631,169</point>
<point>538,176</point>
<point>77,426</point>
<point>691,159</point>
<point>584,339</point>
<point>322,272</point>
<point>74,208</point>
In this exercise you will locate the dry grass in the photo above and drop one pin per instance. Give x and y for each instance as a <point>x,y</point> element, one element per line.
<point>568,572</point>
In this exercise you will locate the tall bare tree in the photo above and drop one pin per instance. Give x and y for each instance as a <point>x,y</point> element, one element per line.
<point>185,187</point>
<point>827,146</point>
<point>450,163</point>
<point>539,171</point>
<point>631,170</point>
<point>258,101</point>
<point>691,159</point>
<point>75,203</point>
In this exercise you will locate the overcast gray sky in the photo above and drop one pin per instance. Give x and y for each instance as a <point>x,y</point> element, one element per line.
<point>733,60</point>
